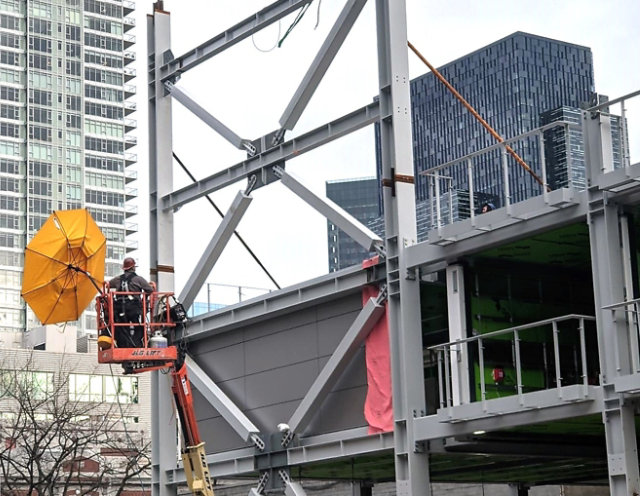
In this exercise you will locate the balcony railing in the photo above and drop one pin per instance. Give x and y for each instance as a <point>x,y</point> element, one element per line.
<point>570,354</point>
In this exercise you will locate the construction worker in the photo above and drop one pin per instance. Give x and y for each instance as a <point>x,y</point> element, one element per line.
<point>128,308</point>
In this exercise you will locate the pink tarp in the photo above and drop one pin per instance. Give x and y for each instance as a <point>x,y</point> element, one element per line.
<point>378,408</point>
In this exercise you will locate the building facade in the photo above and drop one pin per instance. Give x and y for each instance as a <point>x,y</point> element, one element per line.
<point>359,197</point>
<point>64,124</point>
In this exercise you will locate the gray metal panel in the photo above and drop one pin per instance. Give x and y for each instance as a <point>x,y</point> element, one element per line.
<point>267,367</point>
<point>333,287</point>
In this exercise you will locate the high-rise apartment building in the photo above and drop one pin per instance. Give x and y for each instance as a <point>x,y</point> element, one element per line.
<point>64,124</point>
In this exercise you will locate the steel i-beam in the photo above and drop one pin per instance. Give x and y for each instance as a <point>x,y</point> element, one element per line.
<point>340,359</point>
<point>214,249</point>
<point>345,221</point>
<point>320,64</point>
<point>222,403</point>
<point>190,104</point>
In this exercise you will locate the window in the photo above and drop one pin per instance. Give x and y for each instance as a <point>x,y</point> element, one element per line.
<point>105,128</point>
<point>10,112</point>
<point>40,61</point>
<point>9,22</point>
<point>38,384</point>
<point>40,80</point>
<point>40,9</point>
<point>9,75</point>
<point>108,94</point>
<point>104,198</point>
<point>103,8</point>
<point>74,68</point>
<point>103,110</point>
<point>73,50</point>
<point>103,215</point>
<point>40,44</point>
<point>9,94</point>
<point>40,133</point>
<point>40,205</point>
<point>40,169</point>
<point>73,86</point>
<point>9,148</point>
<point>40,115</point>
<point>101,76</point>
<point>10,40</point>
<point>104,145</point>
<point>39,26</point>
<point>104,42</point>
<point>10,130</point>
<point>72,33</point>
<point>74,121</point>
<point>9,184</point>
<point>40,97</point>
<point>104,163</point>
<point>74,103</point>
<point>103,388</point>
<point>10,58</point>
<point>9,166</point>
<point>105,60</point>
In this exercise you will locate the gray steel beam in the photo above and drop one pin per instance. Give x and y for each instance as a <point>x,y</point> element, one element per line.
<point>405,334</point>
<point>230,37</point>
<point>505,413</point>
<point>322,289</point>
<point>340,444</point>
<point>228,464</point>
<point>333,369</point>
<point>285,151</point>
<point>190,104</point>
<point>321,63</point>
<point>345,221</point>
<point>215,247</point>
<point>163,423</point>
<point>221,402</point>
<point>501,228</point>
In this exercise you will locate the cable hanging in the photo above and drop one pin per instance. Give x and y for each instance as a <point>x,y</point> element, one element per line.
<point>253,255</point>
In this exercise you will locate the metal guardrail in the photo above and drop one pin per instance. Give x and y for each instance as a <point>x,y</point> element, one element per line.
<point>438,177</point>
<point>448,356</point>
<point>632,313</point>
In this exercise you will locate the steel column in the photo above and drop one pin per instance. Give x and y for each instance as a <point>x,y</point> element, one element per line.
<point>215,247</point>
<point>607,260</point>
<point>458,330</point>
<point>164,432</point>
<point>411,464</point>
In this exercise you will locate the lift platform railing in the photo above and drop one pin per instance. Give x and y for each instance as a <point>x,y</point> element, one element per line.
<point>448,356</point>
<point>631,311</point>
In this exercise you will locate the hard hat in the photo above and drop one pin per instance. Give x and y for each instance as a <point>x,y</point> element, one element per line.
<point>128,263</point>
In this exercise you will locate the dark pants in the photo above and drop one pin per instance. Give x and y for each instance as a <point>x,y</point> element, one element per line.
<point>129,336</point>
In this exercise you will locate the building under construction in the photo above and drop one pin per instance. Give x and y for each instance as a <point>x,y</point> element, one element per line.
<point>512,347</point>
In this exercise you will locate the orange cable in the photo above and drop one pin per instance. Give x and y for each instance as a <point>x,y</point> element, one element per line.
<point>484,123</point>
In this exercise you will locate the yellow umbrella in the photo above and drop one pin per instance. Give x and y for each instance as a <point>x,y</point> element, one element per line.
<point>63,266</point>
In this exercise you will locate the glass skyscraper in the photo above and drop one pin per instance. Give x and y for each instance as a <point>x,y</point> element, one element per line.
<point>510,83</point>
<point>359,197</point>
<point>64,124</point>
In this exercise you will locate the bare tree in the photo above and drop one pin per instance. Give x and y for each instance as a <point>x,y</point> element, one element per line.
<point>53,444</point>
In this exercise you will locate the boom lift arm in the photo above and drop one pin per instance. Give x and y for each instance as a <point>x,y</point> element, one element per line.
<point>155,354</point>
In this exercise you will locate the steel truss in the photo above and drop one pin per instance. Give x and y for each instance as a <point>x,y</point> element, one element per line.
<point>602,206</point>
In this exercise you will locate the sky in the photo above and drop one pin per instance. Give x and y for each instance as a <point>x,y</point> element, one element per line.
<point>249,86</point>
